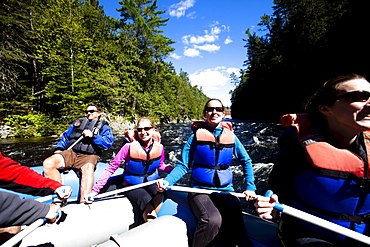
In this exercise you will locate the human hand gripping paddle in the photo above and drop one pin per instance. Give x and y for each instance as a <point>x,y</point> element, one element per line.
<point>63,192</point>
<point>85,133</point>
<point>318,221</point>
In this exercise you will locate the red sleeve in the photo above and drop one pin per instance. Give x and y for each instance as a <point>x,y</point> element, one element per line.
<point>23,179</point>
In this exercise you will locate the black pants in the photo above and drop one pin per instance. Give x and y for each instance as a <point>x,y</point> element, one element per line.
<point>142,196</point>
<point>220,220</point>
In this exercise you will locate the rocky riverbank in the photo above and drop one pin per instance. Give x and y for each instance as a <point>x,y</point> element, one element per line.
<point>118,126</point>
<point>6,131</point>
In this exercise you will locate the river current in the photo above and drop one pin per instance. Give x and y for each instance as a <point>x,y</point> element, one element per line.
<point>259,139</point>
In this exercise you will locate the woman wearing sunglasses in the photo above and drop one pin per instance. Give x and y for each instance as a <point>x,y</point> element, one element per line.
<point>323,166</point>
<point>143,157</point>
<point>210,151</point>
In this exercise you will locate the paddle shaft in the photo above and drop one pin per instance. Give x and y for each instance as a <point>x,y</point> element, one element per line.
<point>323,223</point>
<point>125,189</point>
<point>14,240</point>
<point>46,198</point>
<point>78,140</point>
<point>204,191</point>
<point>319,221</point>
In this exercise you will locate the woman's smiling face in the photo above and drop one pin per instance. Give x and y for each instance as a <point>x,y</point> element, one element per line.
<point>214,113</point>
<point>353,116</point>
<point>145,130</point>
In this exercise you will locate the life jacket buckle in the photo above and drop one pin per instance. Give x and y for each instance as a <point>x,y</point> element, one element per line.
<point>363,182</point>
<point>365,218</point>
<point>359,219</point>
<point>217,146</point>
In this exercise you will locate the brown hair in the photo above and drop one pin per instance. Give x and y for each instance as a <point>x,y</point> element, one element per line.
<point>326,95</point>
<point>146,119</point>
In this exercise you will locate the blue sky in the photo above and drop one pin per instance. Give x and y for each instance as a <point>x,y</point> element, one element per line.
<point>208,36</point>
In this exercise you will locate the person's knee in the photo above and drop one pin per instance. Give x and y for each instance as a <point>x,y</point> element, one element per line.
<point>51,163</point>
<point>211,221</point>
<point>88,169</point>
<point>215,221</point>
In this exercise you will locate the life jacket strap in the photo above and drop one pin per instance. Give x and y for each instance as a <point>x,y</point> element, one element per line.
<point>216,145</point>
<point>221,167</point>
<point>363,182</point>
<point>360,219</point>
<point>146,162</point>
<point>142,175</point>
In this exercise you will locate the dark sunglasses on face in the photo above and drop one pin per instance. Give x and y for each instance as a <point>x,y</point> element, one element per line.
<point>218,109</point>
<point>355,96</point>
<point>90,111</point>
<point>145,128</point>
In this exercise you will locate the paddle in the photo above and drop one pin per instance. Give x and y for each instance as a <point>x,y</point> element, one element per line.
<point>319,221</point>
<point>46,198</point>
<point>204,191</point>
<point>113,192</point>
<point>77,141</point>
<point>18,237</point>
<point>125,189</point>
<point>51,197</point>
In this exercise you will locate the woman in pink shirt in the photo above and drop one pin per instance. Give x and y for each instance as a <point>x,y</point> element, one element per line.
<point>143,157</point>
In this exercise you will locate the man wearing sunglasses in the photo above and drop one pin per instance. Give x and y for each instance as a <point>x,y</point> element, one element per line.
<point>80,149</point>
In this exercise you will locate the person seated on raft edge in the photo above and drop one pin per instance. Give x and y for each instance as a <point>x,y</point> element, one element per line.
<point>15,211</point>
<point>85,153</point>
<point>142,158</point>
<point>322,167</point>
<point>210,150</point>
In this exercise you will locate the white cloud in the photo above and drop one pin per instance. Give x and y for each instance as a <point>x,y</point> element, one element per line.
<point>215,23</point>
<point>191,15</point>
<point>236,71</point>
<point>191,52</point>
<point>191,39</point>
<point>210,36</point>
<point>195,43</point>
<point>175,56</point>
<point>179,9</point>
<point>213,78</point>
<point>215,30</point>
<point>208,47</point>
<point>228,40</point>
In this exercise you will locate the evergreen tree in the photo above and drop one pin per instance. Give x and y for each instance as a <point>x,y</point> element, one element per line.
<point>307,42</point>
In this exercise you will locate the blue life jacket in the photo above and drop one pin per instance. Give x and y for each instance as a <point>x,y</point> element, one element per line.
<point>86,145</point>
<point>336,186</point>
<point>142,166</point>
<point>212,158</point>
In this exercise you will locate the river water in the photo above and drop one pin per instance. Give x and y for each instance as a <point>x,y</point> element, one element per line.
<point>259,139</point>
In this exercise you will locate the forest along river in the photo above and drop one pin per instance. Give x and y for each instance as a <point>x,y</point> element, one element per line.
<point>259,139</point>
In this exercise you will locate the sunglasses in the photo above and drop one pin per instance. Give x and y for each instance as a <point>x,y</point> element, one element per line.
<point>90,111</point>
<point>211,109</point>
<point>355,96</point>
<point>145,128</point>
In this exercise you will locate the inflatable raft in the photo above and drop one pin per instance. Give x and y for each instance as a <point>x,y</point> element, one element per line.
<point>115,221</point>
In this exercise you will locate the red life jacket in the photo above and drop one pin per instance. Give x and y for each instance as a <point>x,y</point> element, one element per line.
<point>323,155</point>
<point>336,187</point>
<point>143,165</point>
